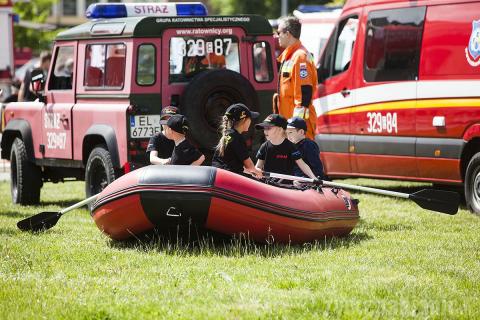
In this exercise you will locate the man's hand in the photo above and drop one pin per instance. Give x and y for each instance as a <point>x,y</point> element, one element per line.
<point>301,112</point>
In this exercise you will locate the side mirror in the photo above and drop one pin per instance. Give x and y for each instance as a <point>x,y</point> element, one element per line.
<point>38,81</point>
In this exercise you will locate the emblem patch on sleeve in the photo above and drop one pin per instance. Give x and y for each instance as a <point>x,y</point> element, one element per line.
<point>303,70</point>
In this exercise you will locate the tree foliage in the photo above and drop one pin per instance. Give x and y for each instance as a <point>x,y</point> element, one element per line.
<point>35,11</point>
<point>268,8</point>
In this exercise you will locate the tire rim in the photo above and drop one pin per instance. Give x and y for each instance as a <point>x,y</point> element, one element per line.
<point>98,176</point>
<point>476,189</point>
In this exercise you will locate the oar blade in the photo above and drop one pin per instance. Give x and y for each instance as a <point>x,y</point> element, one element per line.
<point>437,200</point>
<point>39,222</point>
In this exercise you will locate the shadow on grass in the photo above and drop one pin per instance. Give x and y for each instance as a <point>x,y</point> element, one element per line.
<point>8,231</point>
<point>387,227</point>
<point>175,242</point>
<point>60,203</point>
<point>15,214</point>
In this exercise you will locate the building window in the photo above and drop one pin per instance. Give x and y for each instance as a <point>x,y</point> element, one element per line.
<point>89,2</point>
<point>69,7</point>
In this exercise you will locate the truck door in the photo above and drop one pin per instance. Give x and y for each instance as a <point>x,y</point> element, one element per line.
<point>335,96</point>
<point>384,119</point>
<point>193,54</point>
<point>57,113</point>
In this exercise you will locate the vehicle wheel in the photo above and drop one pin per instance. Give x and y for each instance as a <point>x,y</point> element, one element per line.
<point>25,176</point>
<point>207,97</point>
<point>472,184</point>
<point>99,171</point>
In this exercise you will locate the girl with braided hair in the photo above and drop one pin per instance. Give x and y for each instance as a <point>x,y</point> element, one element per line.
<point>231,152</point>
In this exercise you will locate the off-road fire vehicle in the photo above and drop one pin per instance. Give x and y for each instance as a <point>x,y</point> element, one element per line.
<point>109,79</point>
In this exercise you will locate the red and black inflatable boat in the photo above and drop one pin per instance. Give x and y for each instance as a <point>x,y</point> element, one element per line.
<point>221,201</point>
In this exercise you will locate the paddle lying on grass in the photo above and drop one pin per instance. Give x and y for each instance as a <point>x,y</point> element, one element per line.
<point>435,200</point>
<point>47,219</point>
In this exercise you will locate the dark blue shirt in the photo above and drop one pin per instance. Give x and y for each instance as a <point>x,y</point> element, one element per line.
<point>311,155</point>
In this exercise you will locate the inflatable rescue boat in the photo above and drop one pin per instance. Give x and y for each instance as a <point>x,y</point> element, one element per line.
<point>221,201</point>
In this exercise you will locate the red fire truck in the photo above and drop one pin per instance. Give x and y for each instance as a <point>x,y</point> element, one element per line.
<point>110,77</point>
<point>399,93</point>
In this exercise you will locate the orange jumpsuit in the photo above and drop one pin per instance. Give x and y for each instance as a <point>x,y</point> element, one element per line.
<point>297,82</point>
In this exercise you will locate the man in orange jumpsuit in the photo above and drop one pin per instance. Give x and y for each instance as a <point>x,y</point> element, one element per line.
<point>297,76</point>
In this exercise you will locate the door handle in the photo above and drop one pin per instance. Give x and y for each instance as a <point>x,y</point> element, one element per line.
<point>64,120</point>
<point>345,92</point>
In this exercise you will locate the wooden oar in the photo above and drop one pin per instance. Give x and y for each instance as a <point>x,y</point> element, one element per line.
<point>45,220</point>
<point>435,200</point>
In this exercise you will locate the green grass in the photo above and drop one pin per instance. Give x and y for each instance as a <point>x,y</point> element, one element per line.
<point>401,262</point>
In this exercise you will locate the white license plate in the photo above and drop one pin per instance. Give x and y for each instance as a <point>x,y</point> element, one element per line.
<point>144,126</point>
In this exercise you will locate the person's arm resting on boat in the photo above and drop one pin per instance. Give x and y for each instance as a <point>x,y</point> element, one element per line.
<point>305,169</point>
<point>250,168</point>
<point>154,159</point>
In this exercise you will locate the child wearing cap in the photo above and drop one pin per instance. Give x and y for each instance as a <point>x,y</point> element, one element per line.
<point>183,153</point>
<point>278,154</point>
<point>296,129</point>
<point>159,147</point>
<point>231,152</point>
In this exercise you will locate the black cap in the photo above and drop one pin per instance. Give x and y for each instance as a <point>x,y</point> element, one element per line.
<point>239,111</point>
<point>297,123</point>
<point>273,120</point>
<point>168,111</point>
<point>177,123</point>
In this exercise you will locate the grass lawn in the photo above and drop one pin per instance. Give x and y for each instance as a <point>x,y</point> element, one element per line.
<point>400,262</point>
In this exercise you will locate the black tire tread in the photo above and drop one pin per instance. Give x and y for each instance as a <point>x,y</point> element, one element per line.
<point>29,176</point>
<point>99,153</point>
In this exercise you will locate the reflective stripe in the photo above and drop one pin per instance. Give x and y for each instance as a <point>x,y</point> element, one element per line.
<point>392,145</point>
<point>403,92</point>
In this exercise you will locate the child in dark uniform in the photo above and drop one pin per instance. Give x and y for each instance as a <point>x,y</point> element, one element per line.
<point>278,154</point>
<point>231,152</point>
<point>296,129</point>
<point>160,148</point>
<point>183,152</point>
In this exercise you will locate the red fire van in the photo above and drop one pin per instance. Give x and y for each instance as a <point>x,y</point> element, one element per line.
<point>399,93</point>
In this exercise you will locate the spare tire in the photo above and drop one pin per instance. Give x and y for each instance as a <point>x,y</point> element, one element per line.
<point>206,98</point>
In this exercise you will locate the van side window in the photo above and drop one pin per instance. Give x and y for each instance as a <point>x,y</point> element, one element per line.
<point>338,51</point>
<point>62,76</point>
<point>261,62</point>
<point>105,66</point>
<point>146,64</point>
<point>392,45</point>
